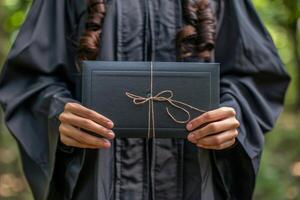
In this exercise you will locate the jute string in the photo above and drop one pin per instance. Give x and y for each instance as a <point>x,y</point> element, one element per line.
<point>163,96</point>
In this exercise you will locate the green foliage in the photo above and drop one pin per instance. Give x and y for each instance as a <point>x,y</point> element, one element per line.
<point>282,20</point>
<point>12,14</point>
<point>279,175</point>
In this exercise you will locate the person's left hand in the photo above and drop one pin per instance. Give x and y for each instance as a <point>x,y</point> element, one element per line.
<point>216,129</point>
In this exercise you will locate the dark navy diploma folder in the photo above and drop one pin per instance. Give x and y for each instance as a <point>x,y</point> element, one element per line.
<point>104,87</point>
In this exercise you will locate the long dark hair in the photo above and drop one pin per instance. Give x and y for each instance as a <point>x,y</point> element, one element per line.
<point>196,39</point>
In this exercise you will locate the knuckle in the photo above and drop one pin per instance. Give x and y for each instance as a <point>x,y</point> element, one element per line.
<point>61,128</point>
<point>217,140</point>
<point>90,113</point>
<point>64,140</point>
<point>231,111</point>
<point>236,132</point>
<point>237,123</point>
<point>103,131</point>
<point>213,127</point>
<point>204,142</point>
<point>86,122</point>
<point>96,142</point>
<point>224,109</point>
<point>207,116</point>
<point>62,117</point>
<point>70,106</point>
<point>228,110</point>
<point>232,142</point>
<point>196,133</point>
<point>82,137</point>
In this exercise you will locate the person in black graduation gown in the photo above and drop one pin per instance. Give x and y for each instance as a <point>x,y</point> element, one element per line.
<point>38,81</point>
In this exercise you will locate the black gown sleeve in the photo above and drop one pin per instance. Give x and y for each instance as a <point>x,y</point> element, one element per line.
<point>35,84</point>
<point>254,82</point>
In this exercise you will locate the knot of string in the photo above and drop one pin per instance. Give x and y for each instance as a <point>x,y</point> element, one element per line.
<point>163,96</point>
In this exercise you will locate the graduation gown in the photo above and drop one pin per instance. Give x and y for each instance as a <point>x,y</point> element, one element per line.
<point>39,77</point>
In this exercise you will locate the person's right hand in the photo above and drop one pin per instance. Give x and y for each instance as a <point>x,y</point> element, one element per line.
<point>75,119</point>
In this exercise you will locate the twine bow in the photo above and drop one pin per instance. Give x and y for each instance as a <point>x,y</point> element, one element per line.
<point>163,96</point>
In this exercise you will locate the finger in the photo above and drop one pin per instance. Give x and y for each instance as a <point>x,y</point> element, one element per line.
<point>213,128</point>
<point>83,137</point>
<point>218,139</point>
<point>225,145</point>
<point>74,143</point>
<point>87,124</point>
<point>211,116</point>
<point>89,114</point>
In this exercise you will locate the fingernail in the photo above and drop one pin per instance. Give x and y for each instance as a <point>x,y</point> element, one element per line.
<point>191,137</point>
<point>189,126</point>
<point>110,124</point>
<point>107,144</point>
<point>111,134</point>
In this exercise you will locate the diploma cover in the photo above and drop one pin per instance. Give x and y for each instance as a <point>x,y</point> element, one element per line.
<point>150,99</point>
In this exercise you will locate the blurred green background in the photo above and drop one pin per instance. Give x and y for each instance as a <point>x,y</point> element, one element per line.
<point>279,175</point>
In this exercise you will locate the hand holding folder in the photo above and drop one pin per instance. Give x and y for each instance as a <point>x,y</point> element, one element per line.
<point>146,99</point>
